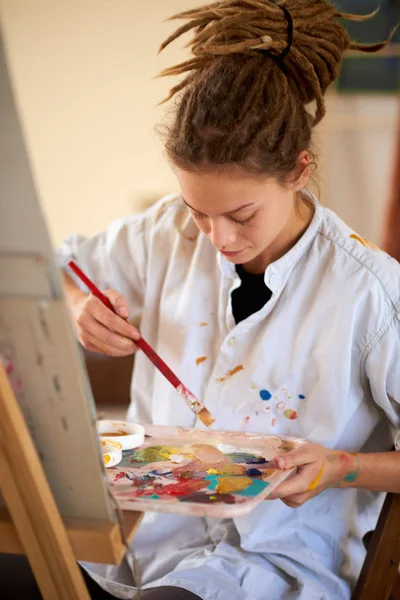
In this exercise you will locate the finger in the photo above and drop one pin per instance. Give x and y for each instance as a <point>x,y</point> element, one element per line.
<point>119,303</point>
<point>111,321</point>
<point>297,500</point>
<point>105,337</point>
<point>95,345</point>
<point>302,455</point>
<point>300,483</point>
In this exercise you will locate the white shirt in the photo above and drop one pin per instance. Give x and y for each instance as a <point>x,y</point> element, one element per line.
<point>321,361</point>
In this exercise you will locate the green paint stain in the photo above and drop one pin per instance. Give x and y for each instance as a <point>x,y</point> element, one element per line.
<point>154,497</point>
<point>352,476</point>
<point>152,454</point>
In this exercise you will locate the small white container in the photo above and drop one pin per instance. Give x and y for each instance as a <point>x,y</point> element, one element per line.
<point>112,452</point>
<point>129,435</point>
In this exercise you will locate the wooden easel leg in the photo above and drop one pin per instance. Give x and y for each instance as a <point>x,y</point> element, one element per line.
<point>32,507</point>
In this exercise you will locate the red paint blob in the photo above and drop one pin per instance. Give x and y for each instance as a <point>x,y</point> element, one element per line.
<point>185,487</point>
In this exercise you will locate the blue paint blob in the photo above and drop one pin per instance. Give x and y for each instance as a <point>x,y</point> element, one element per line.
<point>255,460</point>
<point>154,497</point>
<point>253,472</point>
<point>213,479</point>
<point>245,458</point>
<point>265,395</point>
<point>301,397</point>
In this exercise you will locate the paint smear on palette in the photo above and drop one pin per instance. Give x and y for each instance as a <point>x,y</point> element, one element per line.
<point>228,469</point>
<point>246,485</point>
<point>230,373</point>
<point>208,455</point>
<point>228,484</point>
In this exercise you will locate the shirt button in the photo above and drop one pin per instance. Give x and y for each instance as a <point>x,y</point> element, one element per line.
<point>231,342</point>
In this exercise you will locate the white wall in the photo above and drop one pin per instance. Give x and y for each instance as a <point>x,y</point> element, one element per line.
<point>83,71</point>
<point>356,141</point>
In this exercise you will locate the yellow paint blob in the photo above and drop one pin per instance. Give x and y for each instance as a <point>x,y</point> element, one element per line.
<point>106,458</point>
<point>228,485</point>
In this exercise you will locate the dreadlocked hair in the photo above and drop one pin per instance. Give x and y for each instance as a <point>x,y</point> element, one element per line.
<point>237,106</point>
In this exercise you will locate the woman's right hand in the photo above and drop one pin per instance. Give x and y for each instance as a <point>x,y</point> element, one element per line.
<point>99,329</point>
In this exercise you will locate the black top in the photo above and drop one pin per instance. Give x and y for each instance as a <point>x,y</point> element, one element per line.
<point>250,296</point>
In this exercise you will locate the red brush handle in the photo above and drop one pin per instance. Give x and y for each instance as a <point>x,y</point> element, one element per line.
<point>89,284</point>
<point>141,343</point>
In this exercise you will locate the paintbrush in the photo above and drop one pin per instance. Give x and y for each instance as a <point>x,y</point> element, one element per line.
<point>191,400</point>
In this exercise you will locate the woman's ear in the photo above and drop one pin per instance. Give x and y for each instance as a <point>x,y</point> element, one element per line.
<point>303,171</point>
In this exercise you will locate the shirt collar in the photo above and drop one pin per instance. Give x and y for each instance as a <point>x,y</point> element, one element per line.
<point>278,272</point>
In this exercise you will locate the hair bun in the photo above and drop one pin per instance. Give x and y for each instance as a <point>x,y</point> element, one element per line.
<point>313,52</point>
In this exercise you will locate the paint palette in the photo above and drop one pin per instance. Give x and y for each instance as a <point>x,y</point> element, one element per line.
<point>197,472</point>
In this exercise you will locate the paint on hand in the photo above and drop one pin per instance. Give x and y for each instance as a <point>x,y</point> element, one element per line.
<point>316,481</point>
<point>353,474</point>
<point>200,360</point>
<point>230,373</point>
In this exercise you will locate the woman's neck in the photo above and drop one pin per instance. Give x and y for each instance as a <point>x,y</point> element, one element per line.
<point>302,216</point>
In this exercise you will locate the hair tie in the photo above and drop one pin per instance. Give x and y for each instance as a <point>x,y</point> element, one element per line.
<point>281,57</point>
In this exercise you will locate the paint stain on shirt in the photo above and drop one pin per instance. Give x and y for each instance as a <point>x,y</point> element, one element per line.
<point>203,324</point>
<point>291,414</point>
<point>230,373</point>
<point>200,360</point>
<point>364,242</point>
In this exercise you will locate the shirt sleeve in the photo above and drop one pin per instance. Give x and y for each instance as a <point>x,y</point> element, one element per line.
<point>383,372</point>
<point>115,259</point>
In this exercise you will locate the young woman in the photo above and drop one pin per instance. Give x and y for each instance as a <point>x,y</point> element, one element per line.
<point>295,317</point>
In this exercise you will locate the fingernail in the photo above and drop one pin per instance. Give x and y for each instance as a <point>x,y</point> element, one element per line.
<point>123,312</point>
<point>280,462</point>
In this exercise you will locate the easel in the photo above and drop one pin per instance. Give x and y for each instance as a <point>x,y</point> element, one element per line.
<point>32,524</point>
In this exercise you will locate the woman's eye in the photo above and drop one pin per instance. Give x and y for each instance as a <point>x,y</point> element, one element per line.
<point>198,215</point>
<point>245,222</point>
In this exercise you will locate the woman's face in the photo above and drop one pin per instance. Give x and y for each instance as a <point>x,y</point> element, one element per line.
<point>247,220</point>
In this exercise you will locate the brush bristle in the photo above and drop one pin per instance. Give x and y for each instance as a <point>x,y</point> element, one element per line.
<point>206,417</point>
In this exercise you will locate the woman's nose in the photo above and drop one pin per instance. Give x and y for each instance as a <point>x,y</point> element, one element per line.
<point>222,235</point>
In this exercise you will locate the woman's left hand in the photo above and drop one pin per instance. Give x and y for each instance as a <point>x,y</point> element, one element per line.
<point>318,468</point>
